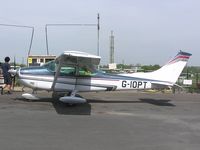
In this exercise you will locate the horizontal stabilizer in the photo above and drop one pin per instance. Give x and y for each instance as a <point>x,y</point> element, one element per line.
<point>72,100</point>
<point>159,86</point>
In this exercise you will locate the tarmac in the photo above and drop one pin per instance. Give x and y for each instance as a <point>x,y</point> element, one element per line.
<point>108,121</point>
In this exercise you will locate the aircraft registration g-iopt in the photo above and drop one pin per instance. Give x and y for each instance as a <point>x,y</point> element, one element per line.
<point>75,71</point>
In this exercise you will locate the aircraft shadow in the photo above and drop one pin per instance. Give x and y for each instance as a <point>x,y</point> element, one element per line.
<point>157,102</point>
<point>78,109</point>
<point>111,101</point>
<point>85,109</point>
<point>62,108</point>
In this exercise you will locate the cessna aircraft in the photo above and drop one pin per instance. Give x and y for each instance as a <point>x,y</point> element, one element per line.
<point>75,71</point>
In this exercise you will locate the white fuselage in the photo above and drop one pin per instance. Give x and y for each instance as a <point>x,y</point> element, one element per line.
<point>83,83</point>
<point>75,71</point>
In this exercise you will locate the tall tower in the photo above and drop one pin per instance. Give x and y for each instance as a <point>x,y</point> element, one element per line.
<point>111,48</point>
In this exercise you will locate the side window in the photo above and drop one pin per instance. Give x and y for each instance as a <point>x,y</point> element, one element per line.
<point>86,70</point>
<point>67,71</point>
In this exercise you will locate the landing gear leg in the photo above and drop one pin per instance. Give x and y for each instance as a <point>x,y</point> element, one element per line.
<point>34,91</point>
<point>56,96</point>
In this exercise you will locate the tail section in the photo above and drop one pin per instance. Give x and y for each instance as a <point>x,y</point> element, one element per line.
<point>172,70</point>
<point>181,56</point>
<point>169,72</point>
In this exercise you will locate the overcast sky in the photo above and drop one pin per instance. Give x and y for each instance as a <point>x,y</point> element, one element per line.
<point>146,31</point>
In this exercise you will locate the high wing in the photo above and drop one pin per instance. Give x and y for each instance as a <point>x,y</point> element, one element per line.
<point>77,57</point>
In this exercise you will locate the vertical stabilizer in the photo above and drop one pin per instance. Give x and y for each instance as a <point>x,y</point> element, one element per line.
<point>169,72</point>
<point>172,70</point>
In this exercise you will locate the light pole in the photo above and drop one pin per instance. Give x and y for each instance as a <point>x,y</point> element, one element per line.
<point>22,26</point>
<point>70,24</point>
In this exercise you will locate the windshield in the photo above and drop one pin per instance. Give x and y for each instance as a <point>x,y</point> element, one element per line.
<point>51,66</point>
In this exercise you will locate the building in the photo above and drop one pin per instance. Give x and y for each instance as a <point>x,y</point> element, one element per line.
<point>38,60</point>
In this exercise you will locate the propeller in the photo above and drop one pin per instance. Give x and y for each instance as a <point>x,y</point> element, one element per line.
<point>14,73</point>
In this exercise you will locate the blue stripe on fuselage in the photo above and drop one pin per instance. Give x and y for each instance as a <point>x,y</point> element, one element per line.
<point>107,76</point>
<point>41,71</point>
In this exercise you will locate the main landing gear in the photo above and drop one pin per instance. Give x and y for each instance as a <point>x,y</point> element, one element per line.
<point>69,98</point>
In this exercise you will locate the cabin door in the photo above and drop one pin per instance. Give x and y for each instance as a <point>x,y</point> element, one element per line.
<point>65,78</point>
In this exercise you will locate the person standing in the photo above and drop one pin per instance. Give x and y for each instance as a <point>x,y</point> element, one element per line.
<point>7,76</point>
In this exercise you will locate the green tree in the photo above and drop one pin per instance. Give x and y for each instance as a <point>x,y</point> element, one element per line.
<point>148,68</point>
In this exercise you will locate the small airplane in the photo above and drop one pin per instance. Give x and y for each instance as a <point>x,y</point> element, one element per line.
<point>75,71</point>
